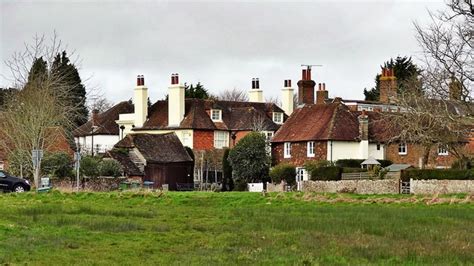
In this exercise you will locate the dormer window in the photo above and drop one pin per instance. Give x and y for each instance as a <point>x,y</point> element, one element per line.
<point>216,115</point>
<point>278,117</point>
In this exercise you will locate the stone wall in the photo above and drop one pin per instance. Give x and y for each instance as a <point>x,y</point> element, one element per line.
<point>276,187</point>
<point>90,184</point>
<point>387,186</point>
<point>441,186</point>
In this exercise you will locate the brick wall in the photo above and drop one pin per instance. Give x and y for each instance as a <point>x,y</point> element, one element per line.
<point>203,139</point>
<point>415,152</point>
<point>239,135</point>
<point>299,153</point>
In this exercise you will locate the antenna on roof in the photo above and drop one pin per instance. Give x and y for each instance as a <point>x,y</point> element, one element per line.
<point>307,71</point>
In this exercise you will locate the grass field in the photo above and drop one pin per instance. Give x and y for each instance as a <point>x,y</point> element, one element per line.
<point>234,228</point>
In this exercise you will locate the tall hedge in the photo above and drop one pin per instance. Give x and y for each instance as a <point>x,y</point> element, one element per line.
<point>439,174</point>
<point>326,173</point>
<point>283,172</point>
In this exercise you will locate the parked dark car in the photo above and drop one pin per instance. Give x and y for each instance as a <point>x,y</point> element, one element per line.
<point>11,183</point>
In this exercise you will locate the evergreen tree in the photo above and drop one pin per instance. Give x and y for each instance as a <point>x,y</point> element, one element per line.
<point>196,92</point>
<point>404,70</point>
<point>70,78</point>
<point>38,73</point>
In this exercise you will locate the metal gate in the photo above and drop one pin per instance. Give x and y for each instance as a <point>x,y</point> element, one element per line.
<point>405,187</point>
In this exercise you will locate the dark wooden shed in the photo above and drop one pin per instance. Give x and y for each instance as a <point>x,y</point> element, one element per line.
<point>161,157</point>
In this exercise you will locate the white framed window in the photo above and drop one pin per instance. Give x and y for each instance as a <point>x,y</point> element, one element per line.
<point>287,150</point>
<point>216,115</point>
<point>442,150</point>
<point>402,148</point>
<point>278,117</point>
<point>310,148</point>
<point>221,139</point>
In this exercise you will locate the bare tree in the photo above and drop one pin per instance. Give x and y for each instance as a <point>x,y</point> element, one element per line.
<point>99,103</point>
<point>442,114</point>
<point>38,107</point>
<point>234,94</point>
<point>258,122</point>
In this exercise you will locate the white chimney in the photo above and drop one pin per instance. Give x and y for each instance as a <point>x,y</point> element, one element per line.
<point>287,98</point>
<point>256,94</point>
<point>175,102</point>
<point>140,101</point>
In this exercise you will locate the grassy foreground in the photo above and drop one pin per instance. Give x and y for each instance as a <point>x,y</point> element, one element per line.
<point>234,228</point>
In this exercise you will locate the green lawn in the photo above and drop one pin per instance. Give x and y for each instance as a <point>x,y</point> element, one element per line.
<point>234,228</point>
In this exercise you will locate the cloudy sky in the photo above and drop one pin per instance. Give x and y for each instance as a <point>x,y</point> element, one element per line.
<point>222,44</point>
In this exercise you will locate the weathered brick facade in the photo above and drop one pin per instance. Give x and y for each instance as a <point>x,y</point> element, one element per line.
<point>299,153</point>
<point>203,139</point>
<point>414,153</point>
<point>238,136</point>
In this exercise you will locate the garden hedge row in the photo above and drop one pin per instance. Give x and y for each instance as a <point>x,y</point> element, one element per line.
<point>355,163</point>
<point>440,174</point>
<point>326,173</point>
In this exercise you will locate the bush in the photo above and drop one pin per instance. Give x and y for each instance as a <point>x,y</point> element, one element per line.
<point>326,173</point>
<point>57,165</point>
<point>283,172</point>
<point>355,163</point>
<point>90,166</point>
<point>439,174</point>
<point>310,166</point>
<point>351,163</point>
<point>110,167</point>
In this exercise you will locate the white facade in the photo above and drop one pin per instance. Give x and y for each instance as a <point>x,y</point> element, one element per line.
<point>102,143</point>
<point>140,102</point>
<point>337,150</point>
<point>175,104</point>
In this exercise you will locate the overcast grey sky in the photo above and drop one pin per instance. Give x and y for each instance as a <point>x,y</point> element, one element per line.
<point>221,44</point>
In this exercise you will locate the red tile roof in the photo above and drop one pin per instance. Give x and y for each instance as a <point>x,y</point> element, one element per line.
<point>235,115</point>
<point>334,121</point>
<point>105,121</point>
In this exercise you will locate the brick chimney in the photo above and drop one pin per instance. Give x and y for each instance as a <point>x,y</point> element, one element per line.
<point>95,117</point>
<point>388,86</point>
<point>256,94</point>
<point>287,97</point>
<point>306,88</point>
<point>140,102</point>
<point>321,94</point>
<point>175,102</point>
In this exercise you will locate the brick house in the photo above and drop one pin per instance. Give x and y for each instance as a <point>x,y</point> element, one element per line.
<point>201,124</point>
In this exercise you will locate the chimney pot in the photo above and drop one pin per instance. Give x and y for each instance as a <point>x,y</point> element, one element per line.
<point>319,86</point>
<point>324,86</point>
<point>142,80</point>
<point>289,83</point>
<point>286,83</point>
<point>257,83</point>
<point>253,83</point>
<point>138,82</point>
<point>308,74</point>
<point>304,75</point>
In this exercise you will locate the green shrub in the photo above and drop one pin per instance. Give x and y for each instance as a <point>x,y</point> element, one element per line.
<point>90,166</point>
<point>57,165</point>
<point>352,163</point>
<point>326,173</point>
<point>355,163</point>
<point>385,163</point>
<point>283,172</point>
<point>110,167</point>
<point>312,165</point>
<point>440,174</point>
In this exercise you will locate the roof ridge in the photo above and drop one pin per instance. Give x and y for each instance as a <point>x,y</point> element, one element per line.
<point>332,121</point>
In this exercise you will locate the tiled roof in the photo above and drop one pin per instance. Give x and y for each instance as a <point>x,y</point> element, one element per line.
<point>129,167</point>
<point>334,121</point>
<point>156,148</point>
<point>105,121</point>
<point>235,115</point>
